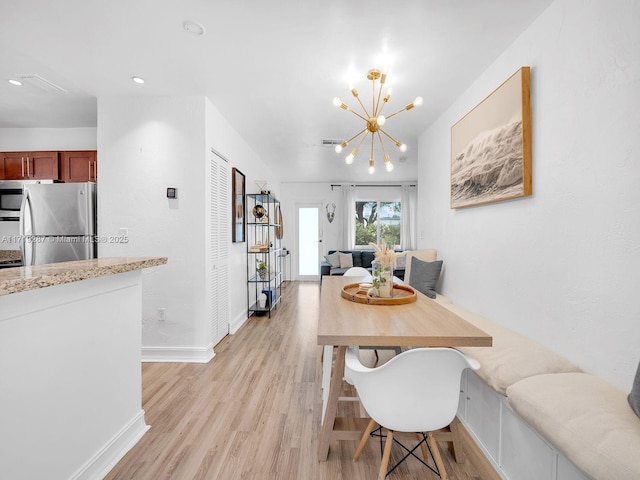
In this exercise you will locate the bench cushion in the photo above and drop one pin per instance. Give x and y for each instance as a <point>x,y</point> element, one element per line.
<point>512,356</point>
<point>586,418</point>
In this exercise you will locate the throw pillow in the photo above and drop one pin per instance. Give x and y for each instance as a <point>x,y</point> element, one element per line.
<point>424,276</point>
<point>634,396</point>
<point>333,259</point>
<point>346,260</point>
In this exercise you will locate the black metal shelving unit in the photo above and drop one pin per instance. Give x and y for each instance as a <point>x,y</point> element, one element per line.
<point>262,231</point>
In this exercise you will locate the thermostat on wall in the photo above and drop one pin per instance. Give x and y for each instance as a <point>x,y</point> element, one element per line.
<point>172,192</point>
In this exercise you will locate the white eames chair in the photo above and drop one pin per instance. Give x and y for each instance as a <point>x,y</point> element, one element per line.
<point>416,391</point>
<point>357,272</point>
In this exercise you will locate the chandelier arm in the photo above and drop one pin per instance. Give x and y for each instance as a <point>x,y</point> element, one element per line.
<point>384,151</point>
<point>357,135</point>
<point>397,142</point>
<point>372,140</point>
<point>377,111</point>
<point>362,139</point>
<point>394,114</point>
<point>363,107</point>
<point>357,114</point>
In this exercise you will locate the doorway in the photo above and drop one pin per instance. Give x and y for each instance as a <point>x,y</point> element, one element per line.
<point>309,241</point>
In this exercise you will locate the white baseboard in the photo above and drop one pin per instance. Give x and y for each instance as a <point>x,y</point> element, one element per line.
<point>178,354</point>
<point>240,320</point>
<point>102,462</point>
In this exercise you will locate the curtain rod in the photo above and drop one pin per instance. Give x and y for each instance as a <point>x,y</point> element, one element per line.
<point>371,185</point>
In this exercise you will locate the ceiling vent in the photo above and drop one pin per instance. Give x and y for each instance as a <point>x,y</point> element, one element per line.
<point>326,141</point>
<point>41,83</point>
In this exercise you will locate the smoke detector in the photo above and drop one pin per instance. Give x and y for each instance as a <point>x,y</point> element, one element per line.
<point>194,28</point>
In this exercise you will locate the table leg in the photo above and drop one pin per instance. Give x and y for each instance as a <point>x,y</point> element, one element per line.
<point>335,388</point>
<point>327,360</point>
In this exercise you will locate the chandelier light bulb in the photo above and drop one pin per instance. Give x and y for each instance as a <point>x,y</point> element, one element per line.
<point>338,148</point>
<point>418,102</point>
<point>381,120</point>
<point>403,147</point>
<point>351,156</point>
<point>372,169</point>
<point>389,166</point>
<point>336,102</point>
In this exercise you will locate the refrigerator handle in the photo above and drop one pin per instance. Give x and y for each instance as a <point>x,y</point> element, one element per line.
<point>25,207</point>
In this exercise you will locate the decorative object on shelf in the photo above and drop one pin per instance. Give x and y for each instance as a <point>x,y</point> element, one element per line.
<point>374,120</point>
<point>279,225</point>
<point>382,269</point>
<point>262,269</point>
<point>262,187</point>
<point>237,205</point>
<point>260,213</point>
<point>331,214</point>
<point>491,146</point>
<point>262,300</point>
<point>284,250</point>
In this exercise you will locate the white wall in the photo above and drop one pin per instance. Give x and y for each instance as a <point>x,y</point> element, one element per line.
<point>223,138</point>
<point>42,139</point>
<point>146,145</point>
<point>562,266</point>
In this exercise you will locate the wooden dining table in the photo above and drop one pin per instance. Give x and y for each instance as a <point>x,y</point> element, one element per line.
<point>342,322</point>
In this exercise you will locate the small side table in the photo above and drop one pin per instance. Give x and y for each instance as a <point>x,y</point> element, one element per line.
<point>286,258</point>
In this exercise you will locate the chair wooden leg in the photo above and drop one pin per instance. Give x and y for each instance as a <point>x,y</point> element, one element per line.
<point>436,455</point>
<point>385,456</point>
<point>365,436</point>
<point>423,447</point>
<point>456,448</point>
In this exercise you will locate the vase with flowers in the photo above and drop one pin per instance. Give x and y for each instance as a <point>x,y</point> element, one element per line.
<point>382,269</point>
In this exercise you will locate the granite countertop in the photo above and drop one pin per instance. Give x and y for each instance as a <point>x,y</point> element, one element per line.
<point>21,279</point>
<point>10,255</point>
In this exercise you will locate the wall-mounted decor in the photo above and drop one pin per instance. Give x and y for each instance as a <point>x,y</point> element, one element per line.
<point>237,205</point>
<point>491,146</point>
<point>331,214</point>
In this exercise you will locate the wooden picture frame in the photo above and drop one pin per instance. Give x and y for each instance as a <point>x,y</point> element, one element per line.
<point>237,206</point>
<point>491,146</point>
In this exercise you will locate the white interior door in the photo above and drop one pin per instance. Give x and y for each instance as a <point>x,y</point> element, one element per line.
<point>309,245</point>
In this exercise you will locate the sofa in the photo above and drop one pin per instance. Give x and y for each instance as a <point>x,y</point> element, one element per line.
<point>360,258</point>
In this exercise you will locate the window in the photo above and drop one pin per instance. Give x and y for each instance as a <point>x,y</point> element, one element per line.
<point>377,221</point>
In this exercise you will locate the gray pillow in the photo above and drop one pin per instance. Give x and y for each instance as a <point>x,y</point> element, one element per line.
<point>424,276</point>
<point>634,396</point>
<point>333,259</point>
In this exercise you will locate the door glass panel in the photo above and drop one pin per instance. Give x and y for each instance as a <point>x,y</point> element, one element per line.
<point>308,236</point>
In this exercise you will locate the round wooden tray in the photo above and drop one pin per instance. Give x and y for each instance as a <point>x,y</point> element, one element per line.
<point>401,295</point>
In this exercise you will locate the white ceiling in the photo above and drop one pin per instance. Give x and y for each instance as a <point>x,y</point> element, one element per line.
<point>272,68</point>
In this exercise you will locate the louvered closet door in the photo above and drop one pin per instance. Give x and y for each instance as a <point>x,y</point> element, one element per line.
<point>219,196</point>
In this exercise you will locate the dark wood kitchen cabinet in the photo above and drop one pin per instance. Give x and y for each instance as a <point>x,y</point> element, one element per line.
<point>79,166</point>
<point>30,166</point>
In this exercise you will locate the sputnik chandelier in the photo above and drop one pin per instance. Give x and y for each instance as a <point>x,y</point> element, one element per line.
<point>373,121</point>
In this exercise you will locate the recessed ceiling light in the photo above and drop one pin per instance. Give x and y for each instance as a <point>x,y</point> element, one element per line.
<point>193,28</point>
<point>138,79</point>
<point>15,82</point>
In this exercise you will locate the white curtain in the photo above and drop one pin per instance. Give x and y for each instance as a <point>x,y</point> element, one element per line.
<point>408,219</point>
<point>349,217</point>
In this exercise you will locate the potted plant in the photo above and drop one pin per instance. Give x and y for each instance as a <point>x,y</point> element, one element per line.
<point>262,269</point>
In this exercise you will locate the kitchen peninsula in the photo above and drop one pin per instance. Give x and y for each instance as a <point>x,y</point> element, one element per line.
<point>70,375</point>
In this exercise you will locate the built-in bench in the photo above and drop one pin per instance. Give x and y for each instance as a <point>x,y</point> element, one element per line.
<point>537,416</point>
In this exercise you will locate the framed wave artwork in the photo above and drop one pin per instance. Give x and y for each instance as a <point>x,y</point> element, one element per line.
<point>491,146</point>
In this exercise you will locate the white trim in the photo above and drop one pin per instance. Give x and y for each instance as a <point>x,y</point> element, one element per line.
<point>178,354</point>
<point>113,451</point>
<point>235,325</point>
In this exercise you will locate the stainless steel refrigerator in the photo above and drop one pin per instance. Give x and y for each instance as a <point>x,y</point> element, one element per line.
<point>58,222</point>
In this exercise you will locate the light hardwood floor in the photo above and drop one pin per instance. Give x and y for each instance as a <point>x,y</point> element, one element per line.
<point>253,412</point>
